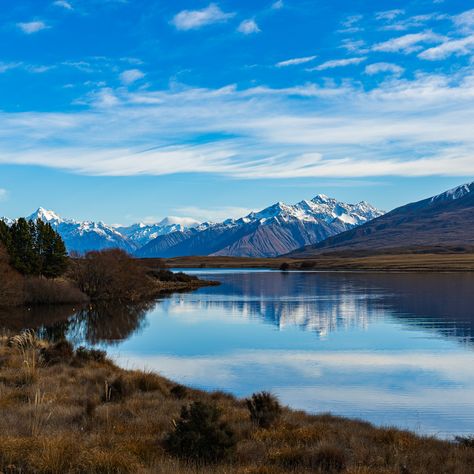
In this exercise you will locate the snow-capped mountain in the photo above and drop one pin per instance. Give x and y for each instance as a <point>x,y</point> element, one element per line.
<point>436,223</point>
<point>84,236</point>
<point>274,231</point>
<point>140,234</point>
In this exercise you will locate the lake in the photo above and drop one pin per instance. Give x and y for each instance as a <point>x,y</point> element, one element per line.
<point>393,349</point>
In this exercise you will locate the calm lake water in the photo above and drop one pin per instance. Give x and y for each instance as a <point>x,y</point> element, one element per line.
<point>393,349</point>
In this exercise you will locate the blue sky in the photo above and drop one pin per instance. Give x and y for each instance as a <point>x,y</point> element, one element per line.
<point>127,110</point>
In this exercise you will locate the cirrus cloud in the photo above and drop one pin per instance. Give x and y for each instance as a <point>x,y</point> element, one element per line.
<point>195,19</point>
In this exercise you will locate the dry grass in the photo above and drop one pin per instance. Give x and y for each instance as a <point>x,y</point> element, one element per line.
<point>406,262</point>
<point>93,417</point>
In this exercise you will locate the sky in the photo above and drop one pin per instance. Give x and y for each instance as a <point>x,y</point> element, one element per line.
<point>132,110</point>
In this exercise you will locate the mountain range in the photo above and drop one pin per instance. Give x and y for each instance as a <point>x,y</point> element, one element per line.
<point>274,231</point>
<point>444,221</point>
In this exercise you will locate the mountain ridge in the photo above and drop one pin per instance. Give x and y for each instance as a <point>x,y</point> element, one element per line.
<point>446,219</point>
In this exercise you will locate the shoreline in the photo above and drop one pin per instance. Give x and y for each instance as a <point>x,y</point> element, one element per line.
<point>58,408</point>
<point>429,262</point>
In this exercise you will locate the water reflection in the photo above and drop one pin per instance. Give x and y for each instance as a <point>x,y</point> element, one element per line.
<point>389,348</point>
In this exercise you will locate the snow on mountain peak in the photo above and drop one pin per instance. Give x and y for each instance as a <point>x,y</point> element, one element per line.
<point>45,215</point>
<point>183,221</point>
<point>456,193</point>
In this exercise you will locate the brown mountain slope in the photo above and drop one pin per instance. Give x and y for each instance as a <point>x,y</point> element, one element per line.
<point>443,221</point>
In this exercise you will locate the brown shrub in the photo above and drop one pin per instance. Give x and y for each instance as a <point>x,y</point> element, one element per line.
<point>40,290</point>
<point>11,282</point>
<point>60,352</point>
<point>264,409</point>
<point>112,275</point>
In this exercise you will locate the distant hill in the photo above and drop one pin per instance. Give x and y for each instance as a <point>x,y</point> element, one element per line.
<point>274,231</point>
<point>445,221</point>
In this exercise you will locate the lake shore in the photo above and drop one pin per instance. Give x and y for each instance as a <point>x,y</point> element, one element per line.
<point>410,262</point>
<point>76,411</point>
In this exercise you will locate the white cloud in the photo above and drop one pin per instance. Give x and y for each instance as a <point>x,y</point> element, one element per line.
<point>465,21</point>
<point>378,68</point>
<point>63,4</point>
<point>131,75</point>
<point>417,127</point>
<point>213,214</point>
<point>389,14</point>
<point>3,194</point>
<point>295,61</point>
<point>408,43</point>
<point>248,27</point>
<point>278,5</point>
<point>458,47</point>
<point>4,67</point>
<point>32,27</point>
<point>194,19</point>
<point>338,63</point>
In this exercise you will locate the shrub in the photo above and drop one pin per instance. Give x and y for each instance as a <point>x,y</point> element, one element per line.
<point>84,355</point>
<point>329,459</point>
<point>112,275</point>
<point>11,287</point>
<point>117,390</point>
<point>43,291</point>
<point>465,441</point>
<point>264,409</point>
<point>147,382</point>
<point>200,434</point>
<point>285,266</point>
<point>308,265</point>
<point>179,391</point>
<point>57,353</point>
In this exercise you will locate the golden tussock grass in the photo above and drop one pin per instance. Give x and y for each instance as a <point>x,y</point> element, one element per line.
<point>85,415</point>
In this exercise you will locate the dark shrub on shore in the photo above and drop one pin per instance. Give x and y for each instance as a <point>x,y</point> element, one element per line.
<point>169,276</point>
<point>84,355</point>
<point>179,391</point>
<point>264,409</point>
<point>201,435</point>
<point>112,275</point>
<point>285,266</point>
<point>11,282</point>
<point>61,351</point>
<point>38,291</point>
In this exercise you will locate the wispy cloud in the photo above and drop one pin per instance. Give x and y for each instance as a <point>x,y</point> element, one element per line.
<point>213,214</point>
<point>417,127</point>
<point>408,43</point>
<point>278,5</point>
<point>389,15</point>
<point>458,47</point>
<point>131,75</point>
<point>63,4</point>
<point>295,61</point>
<point>32,27</point>
<point>248,27</point>
<point>195,19</point>
<point>378,68</point>
<point>4,67</point>
<point>338,63</point>
<point>3,194</point>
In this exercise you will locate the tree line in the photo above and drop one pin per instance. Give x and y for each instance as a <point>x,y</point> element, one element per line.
<point>34,248</point>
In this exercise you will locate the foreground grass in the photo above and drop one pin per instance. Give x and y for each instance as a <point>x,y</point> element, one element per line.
<point>64,412</point>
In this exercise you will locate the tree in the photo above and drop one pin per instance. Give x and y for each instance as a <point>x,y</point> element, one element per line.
<point>23,249</point>
<point>51,250</point>
<point>35,248</point>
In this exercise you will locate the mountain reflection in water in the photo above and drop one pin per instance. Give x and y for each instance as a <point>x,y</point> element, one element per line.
<point>389,348</point>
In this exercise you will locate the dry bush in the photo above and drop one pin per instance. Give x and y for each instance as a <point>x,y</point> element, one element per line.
<point>112,275</point>
<point>39,290</point>
<point>11,282</point>
<point>264,409</point>
<point>61,351</point>
<point>200,434</point>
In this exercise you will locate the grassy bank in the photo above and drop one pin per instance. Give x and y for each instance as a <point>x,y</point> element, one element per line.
<point>414,262</point>
<point>74,411</point>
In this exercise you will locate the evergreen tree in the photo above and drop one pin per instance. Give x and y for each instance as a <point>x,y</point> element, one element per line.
<point>52,251</point>
<point>35,248</point>
<point>23,250</point>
